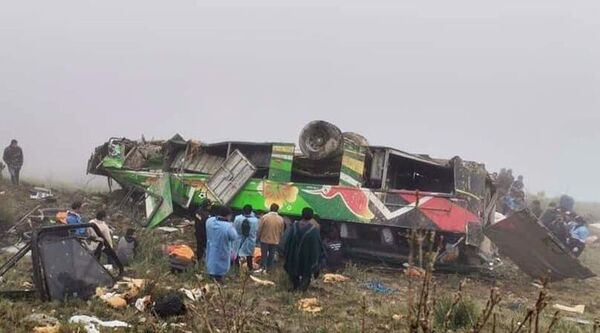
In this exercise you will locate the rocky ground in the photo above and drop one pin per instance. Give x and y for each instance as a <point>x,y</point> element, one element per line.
<point>373,299</point>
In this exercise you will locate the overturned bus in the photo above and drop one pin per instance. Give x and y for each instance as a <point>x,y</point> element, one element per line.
<point>373,195</point>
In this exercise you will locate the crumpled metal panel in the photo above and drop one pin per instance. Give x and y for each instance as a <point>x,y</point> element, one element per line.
<point>202,163</point>
<point>230,178</point>
<point>534,249</point>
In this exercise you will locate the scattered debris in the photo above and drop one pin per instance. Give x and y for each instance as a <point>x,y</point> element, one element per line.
<point>167,229</point>
<point>578,321</point>
<point>39,193</point>
<point>169,306</point>
<point>310,305</point>
<point>91,323</point>
<point>194,295</point>
<point>40,319</point>
<point>181,257</point>
<point>143,303</point>
<point>333,278</point>
<point>262,282</point>
<point>13,249</point>
<point>379,287</point>
<point>47,329</point>
<point>574,309</point>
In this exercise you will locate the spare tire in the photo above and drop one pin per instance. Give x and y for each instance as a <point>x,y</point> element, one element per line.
<point>320,139</point>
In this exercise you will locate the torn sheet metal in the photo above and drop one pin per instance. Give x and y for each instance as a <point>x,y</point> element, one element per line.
<point>160,205</point>
<point>231,177</point>
<point>534,249</point>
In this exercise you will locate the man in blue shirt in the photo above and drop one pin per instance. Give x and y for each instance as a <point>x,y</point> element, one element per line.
<point>220,235</point>
<point>74,217</point>
<point>246,226</point>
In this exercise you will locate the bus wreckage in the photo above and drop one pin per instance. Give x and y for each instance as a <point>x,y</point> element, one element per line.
<point>373,195</point>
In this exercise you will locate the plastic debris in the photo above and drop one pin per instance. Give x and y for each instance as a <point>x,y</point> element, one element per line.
<point>194,294</point>
<point>379,287</point>
<point>310,305</point>
<point>91,323</point>
<point>167,229</point>
<point>39,193</point>
<point>574,309</point>
<point>261,282</point>
<point>143,303</point>
<point>333,278</point>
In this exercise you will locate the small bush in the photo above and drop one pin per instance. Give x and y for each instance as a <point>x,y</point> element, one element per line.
<point>463,315</point>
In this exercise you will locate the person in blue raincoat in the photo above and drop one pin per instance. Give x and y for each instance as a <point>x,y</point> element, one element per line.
<point>246,226</point>
<point>220,236</point>
<point>74,217</point>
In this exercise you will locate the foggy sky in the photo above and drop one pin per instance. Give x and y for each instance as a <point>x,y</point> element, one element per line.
<point>507,83</point>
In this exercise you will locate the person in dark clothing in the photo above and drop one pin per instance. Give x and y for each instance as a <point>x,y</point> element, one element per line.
<point>200,216</point>
<point>302,251</point>
<point>333,249</point>
<point>549,215</point>
<point>127,247</point>
<point>536,208</point>
<point>13,157</point>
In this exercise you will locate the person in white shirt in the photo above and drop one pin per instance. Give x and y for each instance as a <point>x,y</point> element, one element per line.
<point>105,232</point>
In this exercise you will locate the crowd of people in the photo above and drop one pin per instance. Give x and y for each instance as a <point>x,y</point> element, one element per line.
<point>511,192</point>
<point>570,228</point>
<point>99,241</point>
<point>226,241</point>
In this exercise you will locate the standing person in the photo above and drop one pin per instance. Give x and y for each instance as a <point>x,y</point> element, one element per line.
<point>100,222</point>
<point>270,230</point>
<point>74,217</point>
<point>220,235</point>
<point>246,226</point>
<point>127,247</point>
<point>549,215</point>
<point>13,157</point>
<point>302,251</point>
<point>200,216</point>
<point>536,208</point>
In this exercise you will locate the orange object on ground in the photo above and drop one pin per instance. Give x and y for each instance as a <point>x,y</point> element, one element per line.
<point>182,252</point>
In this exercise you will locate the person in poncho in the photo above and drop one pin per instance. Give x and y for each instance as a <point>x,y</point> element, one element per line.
<point>302,251</point>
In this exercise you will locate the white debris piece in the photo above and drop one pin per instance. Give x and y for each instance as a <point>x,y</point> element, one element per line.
<point>91,323</point>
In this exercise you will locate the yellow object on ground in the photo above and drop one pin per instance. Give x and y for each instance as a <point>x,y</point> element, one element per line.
<point>117,302</point>
<point>47,329</point>
<point>310,305</point>
<point>333,278</point>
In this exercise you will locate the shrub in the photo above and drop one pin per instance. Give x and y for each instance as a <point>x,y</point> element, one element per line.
<point>464,313</point>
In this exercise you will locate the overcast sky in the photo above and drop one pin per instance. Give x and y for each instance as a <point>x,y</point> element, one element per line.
<point>508,83</point>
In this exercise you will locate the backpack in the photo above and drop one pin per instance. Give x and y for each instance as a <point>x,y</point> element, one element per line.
<point>246,228</point>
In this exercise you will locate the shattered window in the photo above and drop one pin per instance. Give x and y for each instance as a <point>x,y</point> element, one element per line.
<point>409,174</point>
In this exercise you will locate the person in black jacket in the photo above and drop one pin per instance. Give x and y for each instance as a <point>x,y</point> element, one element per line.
<point>200,216</point>
<point>13,157</point>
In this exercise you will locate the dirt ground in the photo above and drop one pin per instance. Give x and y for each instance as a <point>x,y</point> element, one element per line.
<point>351,306</point>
